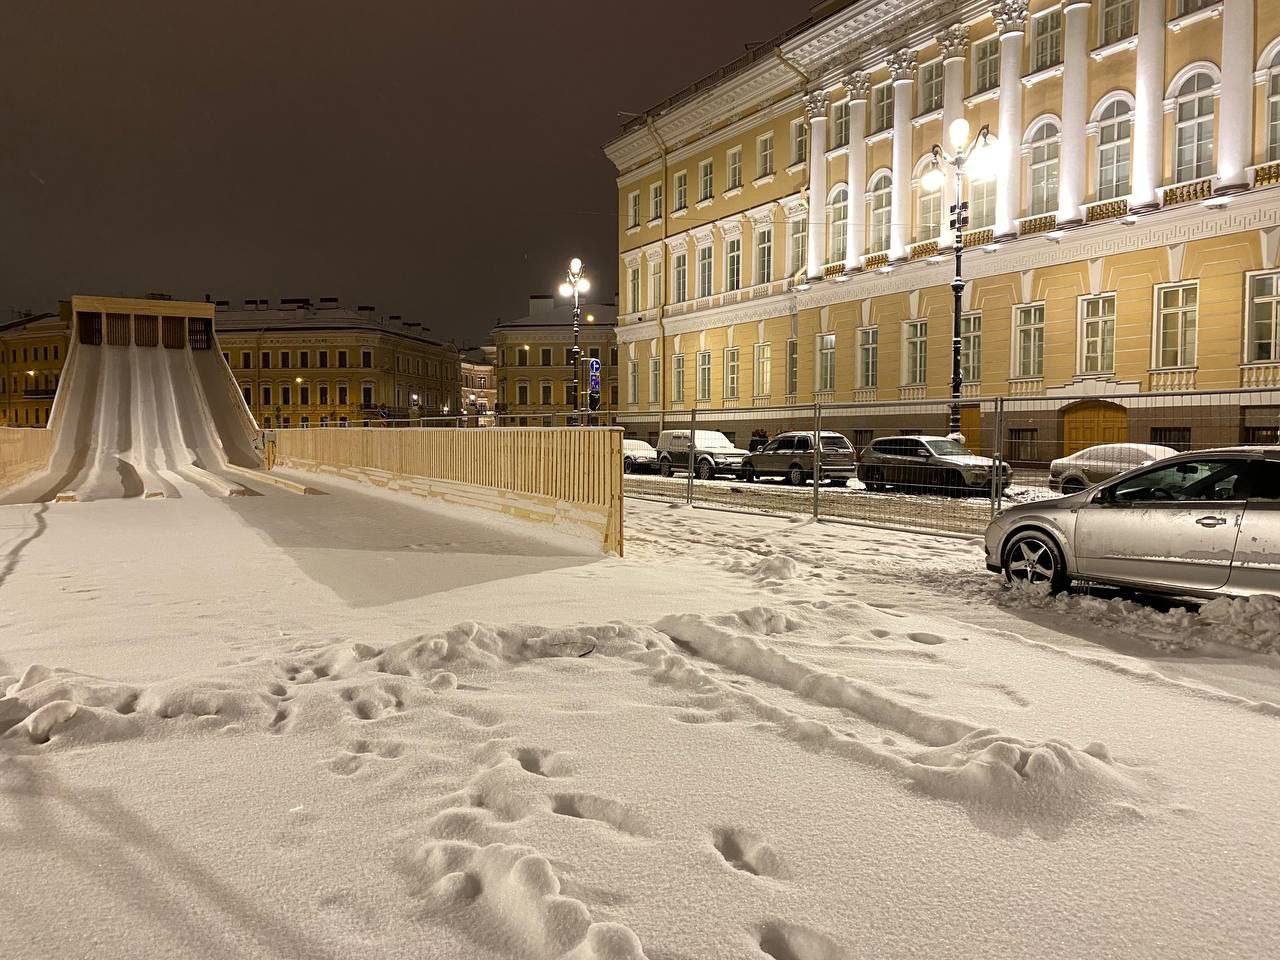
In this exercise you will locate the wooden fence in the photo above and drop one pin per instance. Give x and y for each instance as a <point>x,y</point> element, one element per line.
<point>570,477</point>
<point>23,451</point>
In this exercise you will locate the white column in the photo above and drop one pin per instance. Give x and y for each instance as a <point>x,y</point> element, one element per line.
<point>859,87</point>
<point>902,69</point>
<point>1148,105</point>
<point>1072,153</point>
<point>1010,17</point>
<point>1235,128</point>
<point>952,43</point>
<point>816,108</point>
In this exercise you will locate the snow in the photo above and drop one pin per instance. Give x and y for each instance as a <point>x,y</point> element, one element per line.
<point>359,724</point>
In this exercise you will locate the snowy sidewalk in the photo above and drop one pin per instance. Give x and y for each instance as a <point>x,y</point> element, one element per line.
<point>750,738</point>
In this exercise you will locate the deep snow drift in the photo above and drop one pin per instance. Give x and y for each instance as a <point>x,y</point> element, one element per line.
<point>750,738</point>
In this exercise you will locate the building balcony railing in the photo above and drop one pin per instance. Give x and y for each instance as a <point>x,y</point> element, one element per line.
<point>875,261</point>
<point>979,238</point>
<point>971,388</point>
<point>1260,375</point>
<point>1173,380</point>
<point>864,394</point>
<point>1267,175</point>
<point>1042,223</point>
<point>833,270</point>
<point>1191,192</point>
<point>1026,387</point>
<point>1106,210</point>
<point>926,248</point>
<point>912,391</point>
<point>38,394</point>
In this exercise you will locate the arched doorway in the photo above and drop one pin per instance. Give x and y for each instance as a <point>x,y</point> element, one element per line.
<point>1091,422</point>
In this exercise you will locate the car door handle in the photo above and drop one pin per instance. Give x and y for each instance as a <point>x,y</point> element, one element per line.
<point>1212,521</point>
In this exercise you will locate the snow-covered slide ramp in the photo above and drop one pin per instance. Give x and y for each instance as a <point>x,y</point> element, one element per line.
<point>146,407</point>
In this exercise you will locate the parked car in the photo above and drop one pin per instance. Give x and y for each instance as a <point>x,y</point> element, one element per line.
<point>1195,524</point>
<point>714,454</point>
<point>1084,468</point>
<point>926,463</point>
<point>638,457</point>
<point>790,455</point>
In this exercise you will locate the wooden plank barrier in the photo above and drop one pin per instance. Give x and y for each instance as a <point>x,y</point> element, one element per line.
<point>569,477</point>
<point>23,451</point>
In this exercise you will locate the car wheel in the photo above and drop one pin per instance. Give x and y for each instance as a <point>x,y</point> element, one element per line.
<point>748,473</point>
<point>1072,485</point>
<point>664,467</point>
<point>628,466</point>
<point>1033,557</point>
<point>796,475</point>
<point>872,480</point>
<point>705,470</point>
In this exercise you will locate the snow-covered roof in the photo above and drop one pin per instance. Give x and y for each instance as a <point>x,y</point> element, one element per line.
<point>561,315</point>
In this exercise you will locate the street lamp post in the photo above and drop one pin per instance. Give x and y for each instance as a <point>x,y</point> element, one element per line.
<point>975,154</point>
<point>576,284</point>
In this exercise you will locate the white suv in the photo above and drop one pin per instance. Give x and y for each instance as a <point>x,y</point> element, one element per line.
<point>714,454</point>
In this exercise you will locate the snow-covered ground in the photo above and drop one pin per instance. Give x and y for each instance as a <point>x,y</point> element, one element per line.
<point>356,725</point>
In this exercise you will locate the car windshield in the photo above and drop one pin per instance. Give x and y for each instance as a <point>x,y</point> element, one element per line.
<point>712,440</point>
<point>948,448</point>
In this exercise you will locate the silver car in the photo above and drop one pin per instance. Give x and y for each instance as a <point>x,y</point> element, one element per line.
<point>638,457</point>
<point>1084,468</point>
<point>926,463</point>
<point>1198,524</point>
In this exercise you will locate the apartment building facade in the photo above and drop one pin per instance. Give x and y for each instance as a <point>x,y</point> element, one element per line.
<point>779,243</point>
<point>32,352</point>
<point>304,363</point>
<point>534,361</point>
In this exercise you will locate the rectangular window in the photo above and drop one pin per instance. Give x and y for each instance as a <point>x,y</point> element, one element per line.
<point>971,348</point>
<point>1176,325</point>
<point>1114,152</point>
<point>704,271</point>
<point>633,209</point>
<point>655,284</point>
<point>1193,127</point>
<point>342,394</point>
<point>1024,444</point>
<point>869,357</point>
<point>522,357</point>
<point>799,244</point>
<point>1098,334</point>
<point>1047,45</point>
<point>633,381</point>
<point>366,359</point>
<point>1044,177</point>
<point>545,356</point>
<point>545,389</point>
<point>681,191</point>
<point>342,359</point>
<point>522,394</point>
<point>799,141</point>
<point>827,361</point>
<point>982,204</point>
<point>655,379</point>
<point>882,107</point>
<point>731,373</point>
<point>593,353</point>
<point>706,181</point>
<point>931,87</point>
<point>764,255</point>
<point>733,264</point>
<point>246,359</point>
<point>304,395</point>
<point>793,367</point>
<point>1264,318</point>
<point>266,360</point>
<point>840,124</point>
<point>677,378</point>
<point>655,201</point>
<point>286,361</point>
<point>286,395</point>
<point>929,225</point>
<point>1117,20</point>
<point>323,390</point>
<point>679,279</point>
<point>246,392</point>
<point>1179,438</point>
<point>704,375</point>
<point>266,394</point>
<point>917,351</point>
<point>323,356</point>
<point>986,65</point>
<point>633,289</point>
<point>764,156</point>
<point>304,358</point>
<point>764,369</point>
<point>734,163</point>
<point>1273,116</point>
<point>1029,341</point>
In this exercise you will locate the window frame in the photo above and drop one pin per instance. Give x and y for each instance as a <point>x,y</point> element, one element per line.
<point>679,277</point>
<point>766,162</point>
<point>915,356</point>
<point>1034,370</point>
<point>1084,338</point>
<point>1204,158</point>
<point>1158,328</point>
<point>971,347</point>
<point>732,373</point>
<point>1250,320</point>
<point>1117,188</point>
<point>868,358</point>
<point>706,272</point>
<point>799,141</point>
<point>840,129</point>
<point>677,378</point>
<point>983,78</point>
<point>1104,37</point>
<point>825,378</point>
<point>931,86</point>
<point>762,358</point>
<point>879,218</point>
<point>733,263</point>
<point>733,168</point>
<point>882,107</point>
<point>633,209</point>
<point>680,191</point>
<point>702,375</point>
<point>1042,197</point>
<point>706,180</point>
<point>764,255</point>
<point>838,224</point>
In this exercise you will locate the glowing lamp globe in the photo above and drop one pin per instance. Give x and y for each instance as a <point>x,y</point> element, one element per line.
<point>566,290</point>
<point>583,285</point>
<point>959,133</point>
<point>575,265</point>
<point>932,179</point>
<point>982,162</point>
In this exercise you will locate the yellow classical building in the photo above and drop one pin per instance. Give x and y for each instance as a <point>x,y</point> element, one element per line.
<point>534,360</point>
<point>32,352</point>
<point>780,242</point>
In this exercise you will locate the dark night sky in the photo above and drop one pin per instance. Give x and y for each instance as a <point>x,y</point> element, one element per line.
<point>438,160</point>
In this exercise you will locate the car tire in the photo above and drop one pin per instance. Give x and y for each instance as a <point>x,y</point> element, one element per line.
<point>1033,558</point>
<point>748,473</point>
<point>1072,485</point>
<point>872,480</point>
<point>627,465</point>
<point>664,467</point>
<point>705,470</point>
<point>796,475</point>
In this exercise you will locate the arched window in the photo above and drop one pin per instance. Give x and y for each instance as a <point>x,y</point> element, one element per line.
<point>1193,129</point>
<point>1044,168</point>
<point>929,217</point>
<point>1273,109</point>
<point>838,218</point>
<point>879,201</point>
<point>1114,150</point>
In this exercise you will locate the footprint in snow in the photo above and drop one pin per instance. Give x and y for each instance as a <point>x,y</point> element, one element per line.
<point>787,941</point>
<point>745,851</point>
<point>584,806</point>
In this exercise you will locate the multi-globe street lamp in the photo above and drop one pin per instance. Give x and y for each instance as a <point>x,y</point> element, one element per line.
<point>972,158</point>
<point>575,284</point>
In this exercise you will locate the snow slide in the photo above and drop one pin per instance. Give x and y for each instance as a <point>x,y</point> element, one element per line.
<point>137,421</point>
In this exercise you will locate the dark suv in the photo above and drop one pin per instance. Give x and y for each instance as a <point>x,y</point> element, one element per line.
<point>790,455</point>
<point>926,463</point>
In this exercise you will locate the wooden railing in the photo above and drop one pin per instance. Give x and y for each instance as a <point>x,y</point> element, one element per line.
<point>564,476</point>
<point>23,451</point>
